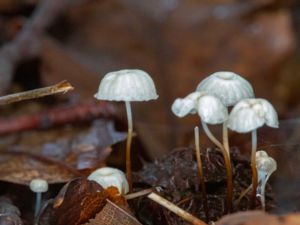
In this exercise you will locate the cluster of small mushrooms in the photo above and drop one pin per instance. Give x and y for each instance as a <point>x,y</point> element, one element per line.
<point>222,98</point>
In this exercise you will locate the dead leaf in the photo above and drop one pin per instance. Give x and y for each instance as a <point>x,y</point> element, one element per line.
<point>259,218</point>
<point>112,214</point>
<point>78,202</point>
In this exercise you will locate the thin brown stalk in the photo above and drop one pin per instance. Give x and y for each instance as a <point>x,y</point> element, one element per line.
<point>61,87</point>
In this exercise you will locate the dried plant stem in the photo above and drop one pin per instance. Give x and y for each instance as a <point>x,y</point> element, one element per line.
<point>128,145</point>
<point>139,194</point>
<point>253,167</point>
<point>175,209</point>
<point>244,192</point>
<point>61,87</point>
<point>200,171</point>
<point>227,166</point>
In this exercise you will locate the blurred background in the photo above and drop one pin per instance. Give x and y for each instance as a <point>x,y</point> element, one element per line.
<point>177,42</point>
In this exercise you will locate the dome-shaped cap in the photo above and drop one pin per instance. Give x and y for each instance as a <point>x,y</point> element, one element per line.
<point>250,114</point>
<point>38,185</point>
<point>183,106</point>
<point>261,154</point>
<point>266,164</point>
<point>211,110</point>
<point>127,85</point>
<point>229,87</point>
<point>108,177</point>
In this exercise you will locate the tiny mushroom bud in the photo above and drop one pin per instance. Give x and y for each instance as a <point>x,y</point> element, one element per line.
<point>247,116</point>
<point>265,165</point>
<point>108,177</point>
<point>184,106</point>
<point>127,85</point>
<point>229,87</point>
<point>38,186</point>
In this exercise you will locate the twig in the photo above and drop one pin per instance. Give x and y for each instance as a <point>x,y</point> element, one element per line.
<point>58,115</point>
<point>61,87</point>
<point>175,209</point>
<point>139,194</point>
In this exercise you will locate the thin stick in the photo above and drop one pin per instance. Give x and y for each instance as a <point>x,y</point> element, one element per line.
<point>225,139</point>
<point>175,209</point>
<point>244,192</point>
<point>128,145</point>
<point>227,166</point>
<point>139,194</point>
<point>61,87</point>
<point>200,171</point>
<point>253,167</point>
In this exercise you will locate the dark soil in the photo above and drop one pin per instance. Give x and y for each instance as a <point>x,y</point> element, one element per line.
<point>177,175</point>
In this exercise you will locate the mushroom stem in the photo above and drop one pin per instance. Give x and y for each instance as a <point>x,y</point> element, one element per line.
<point>38,201</point>
<point>253,166</point>
<point>200,171</point>
<point>128,145</point>
<point>227,165</point>
<point>175,209</point>
<point>225,139</point>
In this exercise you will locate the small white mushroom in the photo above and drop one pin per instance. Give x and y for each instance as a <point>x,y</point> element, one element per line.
<point>211,111</point>
<point>127,85</point>
<point>38,186</point>
<point>265,165</point>
<point>110,177</point>
<point>247,116</point>
<point>230,88</point>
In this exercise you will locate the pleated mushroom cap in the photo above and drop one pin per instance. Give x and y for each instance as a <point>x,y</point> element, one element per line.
<point>110,177</point>
<point>187,105</point>
<point>211,110</point>
<point>229,87</point>
<point>250,114</point>
<point>127,85</point>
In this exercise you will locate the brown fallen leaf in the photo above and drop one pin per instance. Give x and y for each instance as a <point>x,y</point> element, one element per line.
<point>112,214</point>
<point>58,158</point>
<point>259,218</point>
<point>78,202</point>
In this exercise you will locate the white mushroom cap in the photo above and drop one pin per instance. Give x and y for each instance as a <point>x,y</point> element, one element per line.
<point>127,85</point>
<point>211,110</point>
<point>261,154</point>
<point>183,106</point>
<point>38,185</point>
<point>250,114</point>
<point>229,87</point>
<point>108,177</point>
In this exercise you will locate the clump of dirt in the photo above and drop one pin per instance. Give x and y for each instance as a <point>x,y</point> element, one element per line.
<point>177,175</point>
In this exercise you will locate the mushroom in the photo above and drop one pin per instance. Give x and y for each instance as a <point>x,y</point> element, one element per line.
<point>127,85</point>
<point>247,116</point>
<point>211,111</point>
<point>108,177</point>
<point>38,186</point>
<point>230,88</point>
<point>265,165</point>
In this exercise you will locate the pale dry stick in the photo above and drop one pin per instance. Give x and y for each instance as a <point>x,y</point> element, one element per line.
<point>200,171</point>
<point>175,209</point>
<point>244,192</point>
<point>139,194</point>
<point>61,87</point>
